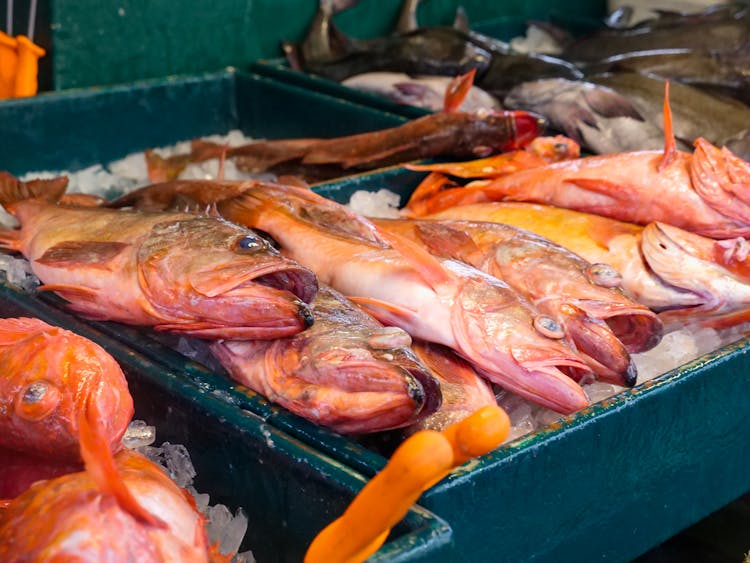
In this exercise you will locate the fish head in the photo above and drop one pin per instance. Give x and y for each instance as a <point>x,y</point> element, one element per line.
<point>58,376</point>
<point>716,270</point>
<point>209,278</point>
<point>514,345</point>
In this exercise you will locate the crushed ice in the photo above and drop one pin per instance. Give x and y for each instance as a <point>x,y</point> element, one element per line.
<point>221,525</point>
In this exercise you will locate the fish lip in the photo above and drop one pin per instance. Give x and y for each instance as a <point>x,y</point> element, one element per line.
<point>290,277</point>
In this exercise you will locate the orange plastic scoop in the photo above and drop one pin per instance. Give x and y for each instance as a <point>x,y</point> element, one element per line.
<point>420,462</point>
<point>8,64</point>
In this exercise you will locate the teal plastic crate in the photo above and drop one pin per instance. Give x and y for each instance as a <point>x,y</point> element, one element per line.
<point>609,482</point>
<point>236,439</point>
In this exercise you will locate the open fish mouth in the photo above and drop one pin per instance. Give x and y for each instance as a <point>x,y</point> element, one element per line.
<point>295,279</point>
<point>637,328</point>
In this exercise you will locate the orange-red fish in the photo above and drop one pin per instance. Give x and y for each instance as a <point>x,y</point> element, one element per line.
<point>583,299</point>
<point>18,471</point>
<point>48,378</point>
<point>686,277</point>
<point>71,518</point>
<point>463,391</point>
<point>438,300</point>
<point>174,271</point>
<point>347,371</point>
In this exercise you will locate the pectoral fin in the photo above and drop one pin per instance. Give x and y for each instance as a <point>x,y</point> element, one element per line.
<point>82,253</point>
<point>386,313</point>
<point>444,240</point>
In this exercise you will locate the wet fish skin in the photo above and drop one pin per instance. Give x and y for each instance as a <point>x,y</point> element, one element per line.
<point>463,391</point>
<point>48,377</point>
<point>174,271</point>
<point>70,517</point>
<point>687,278</point>
<point>347,372</point>
<point>18,471</point>
<point>445,302</point>
<point>583,299</point>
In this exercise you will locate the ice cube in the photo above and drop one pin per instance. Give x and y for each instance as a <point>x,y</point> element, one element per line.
<point>383,203</point>
<point>139,434</point>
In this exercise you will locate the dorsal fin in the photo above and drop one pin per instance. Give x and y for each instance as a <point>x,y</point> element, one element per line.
<point>427,266</point>
<point>457,91</point>
<point>13,190</point>
<point>100,466</point>
<point>670,145</point>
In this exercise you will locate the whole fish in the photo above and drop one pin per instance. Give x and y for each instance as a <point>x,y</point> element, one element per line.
<point>77,517</point>
<point>347,372</point>
<point>704,192</point>
<point>716,29</point>
<point>463,391</point>
<point>192,275</point>
<point>48,377</point>
<point>451,134</point>
<point>427,92</point>
<point>583,298</point>
<point>686,277</point>
<point>442,301</point>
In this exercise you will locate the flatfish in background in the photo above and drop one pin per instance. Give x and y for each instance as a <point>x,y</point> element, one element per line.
<point>422,91</point>
<point>347,372</point>
<point>721,28</point>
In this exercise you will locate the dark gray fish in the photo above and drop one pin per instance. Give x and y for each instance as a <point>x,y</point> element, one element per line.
<point>726,74</point>
<point>718,29</point>
<point>507,70</point>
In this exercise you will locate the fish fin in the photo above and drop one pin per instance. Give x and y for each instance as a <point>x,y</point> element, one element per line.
<point>670,144</point>
<point>77,253</point>
<point>215,555</point>
<point>432,184</point>
<point>10,240</point>
<point>206,150</point>
<point>292,180</point>
<point>427,266</point>
<point>386,313</point>
<point>82,200</point>
<point>162,169</point>
<point>13,330</point>
<point>448,241</point>
<point>600,186</point>
<point>461,20</point>
<point>407,17</point>
<point>100,466</point>
<point>457,91</point>
<point>13,190</point>
<point>78,291</point>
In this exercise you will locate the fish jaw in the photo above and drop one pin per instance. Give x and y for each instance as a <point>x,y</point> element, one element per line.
<point>207,278</point>
<point>714,270</point>
<point>347,390</point>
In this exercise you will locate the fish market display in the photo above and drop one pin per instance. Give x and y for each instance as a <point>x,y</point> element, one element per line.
<point>421,91</point>
<point>82,516</point>
<point>49,378</point>
<point>442,301</point>
<point>580,298</point>
<point>173,271</point>
<point>453,134</point>
<point>689,278</point>
<point>347,372</point>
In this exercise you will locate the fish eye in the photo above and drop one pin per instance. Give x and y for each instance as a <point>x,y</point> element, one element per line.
<point>604,275</point>
<point>249,244</point>
<point>549,327</point>
<point>37,400</point>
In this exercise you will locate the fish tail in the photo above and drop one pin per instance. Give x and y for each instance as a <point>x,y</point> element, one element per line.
<point>10,240</point>
<point>13,190</point>
<point>100,465</point>
<point>722,179</point>
<point>162,169</point>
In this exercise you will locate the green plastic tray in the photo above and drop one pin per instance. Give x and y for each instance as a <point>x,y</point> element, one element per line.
<point>96,43</point>
<point>236,438</point>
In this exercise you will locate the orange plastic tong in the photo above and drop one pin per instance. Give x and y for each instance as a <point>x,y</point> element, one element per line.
<point>420,462</point>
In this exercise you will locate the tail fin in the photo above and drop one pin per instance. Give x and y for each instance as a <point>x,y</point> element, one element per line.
<point>100,465</point>
<point>13,190</point>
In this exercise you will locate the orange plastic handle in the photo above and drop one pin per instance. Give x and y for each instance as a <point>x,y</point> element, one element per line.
<point>8,64</point>
<point>26,83</point>
<point>420,462</point>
